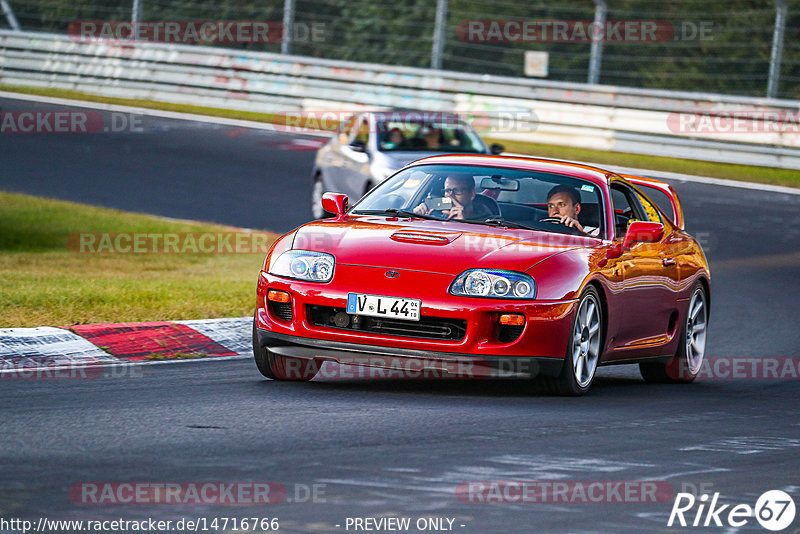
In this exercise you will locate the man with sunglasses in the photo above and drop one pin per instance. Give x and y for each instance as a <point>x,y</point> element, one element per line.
<point>461,190</point>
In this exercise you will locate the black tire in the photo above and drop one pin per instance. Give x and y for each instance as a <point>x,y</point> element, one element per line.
<point>684,366</point>
<point>277,367</point>
<point>589,331</point>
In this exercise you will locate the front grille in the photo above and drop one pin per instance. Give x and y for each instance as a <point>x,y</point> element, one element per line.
<point>427,327</point>
<point>281,310</point>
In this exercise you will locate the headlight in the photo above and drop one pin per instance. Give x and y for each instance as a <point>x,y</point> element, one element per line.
<point>304,265</point>
<point>494,283</point>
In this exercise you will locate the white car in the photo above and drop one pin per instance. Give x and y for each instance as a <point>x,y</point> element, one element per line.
<point>369,147</point>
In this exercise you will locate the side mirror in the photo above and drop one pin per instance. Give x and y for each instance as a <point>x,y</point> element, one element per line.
<point>335,203</point>
<point>496,149</point>
<point>643,232</point>
<point>358,146</point>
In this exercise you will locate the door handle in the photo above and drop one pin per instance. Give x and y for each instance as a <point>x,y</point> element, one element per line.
<point>666,262</point>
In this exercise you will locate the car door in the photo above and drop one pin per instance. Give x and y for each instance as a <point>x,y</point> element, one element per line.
<point>678,248</point>
<point>646,301</point>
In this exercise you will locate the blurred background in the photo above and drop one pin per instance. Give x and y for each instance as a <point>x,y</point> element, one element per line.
<point>717,46</point>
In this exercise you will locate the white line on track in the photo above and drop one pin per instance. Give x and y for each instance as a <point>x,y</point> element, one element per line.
<point>161,113</point>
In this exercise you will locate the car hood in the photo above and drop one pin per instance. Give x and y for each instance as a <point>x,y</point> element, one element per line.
<point>434,246</point>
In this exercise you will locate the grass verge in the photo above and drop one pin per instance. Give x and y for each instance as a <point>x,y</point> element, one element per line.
<point>748,173</point>
<point>44,283</point>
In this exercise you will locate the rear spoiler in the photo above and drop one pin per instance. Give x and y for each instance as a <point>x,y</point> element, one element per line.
<point>677,213</point>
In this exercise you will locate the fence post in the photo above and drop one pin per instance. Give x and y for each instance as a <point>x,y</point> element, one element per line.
<point>12,20</point>
<point>777,49</point>
<point>438,34</point>
<point>135,16</point>
<point>288,26</point>
<point>598,34</point>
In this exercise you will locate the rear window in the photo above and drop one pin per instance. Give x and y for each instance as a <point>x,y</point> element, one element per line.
<point>418,133</point>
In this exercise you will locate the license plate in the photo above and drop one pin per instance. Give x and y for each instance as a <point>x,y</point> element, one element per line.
<point>378,306</point>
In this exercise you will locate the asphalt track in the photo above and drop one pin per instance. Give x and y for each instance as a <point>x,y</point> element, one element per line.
<point>188,170</point>
<point>390,448</point>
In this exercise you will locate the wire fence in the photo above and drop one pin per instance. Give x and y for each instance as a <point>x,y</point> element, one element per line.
<point>716,46</point>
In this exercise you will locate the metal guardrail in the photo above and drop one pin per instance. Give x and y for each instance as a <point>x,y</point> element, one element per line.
<point>611,118</point>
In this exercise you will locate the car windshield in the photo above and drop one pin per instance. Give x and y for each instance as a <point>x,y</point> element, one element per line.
<point>428,133</point>
<point>493,196</point>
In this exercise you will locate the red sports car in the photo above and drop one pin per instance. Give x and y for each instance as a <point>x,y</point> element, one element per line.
<point>490,266</point>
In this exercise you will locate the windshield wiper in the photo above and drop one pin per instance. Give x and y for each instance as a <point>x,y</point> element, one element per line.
<point>498,221</point>
<point>397,213</point>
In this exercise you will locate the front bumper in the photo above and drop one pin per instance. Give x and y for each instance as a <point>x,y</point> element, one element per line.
<point>410,363</point>
<point>539,348</point>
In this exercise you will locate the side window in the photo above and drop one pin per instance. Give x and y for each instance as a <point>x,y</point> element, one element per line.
<point>660,199</point>
<point>627,208</point>
<point>650,211</point>
<point>619,201</point>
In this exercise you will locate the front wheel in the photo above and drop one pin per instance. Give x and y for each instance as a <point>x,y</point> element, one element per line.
<point>686,364</point>
<point>277,367</point>
<point>583,349</point>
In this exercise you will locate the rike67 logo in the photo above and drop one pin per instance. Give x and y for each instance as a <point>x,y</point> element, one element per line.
<point>774,510</point>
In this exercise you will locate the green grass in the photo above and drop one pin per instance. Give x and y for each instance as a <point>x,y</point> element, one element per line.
<point>42,282</point>
<point>748,173</point>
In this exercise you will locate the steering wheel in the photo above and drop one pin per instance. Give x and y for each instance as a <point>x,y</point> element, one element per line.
<point>566,229</point>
